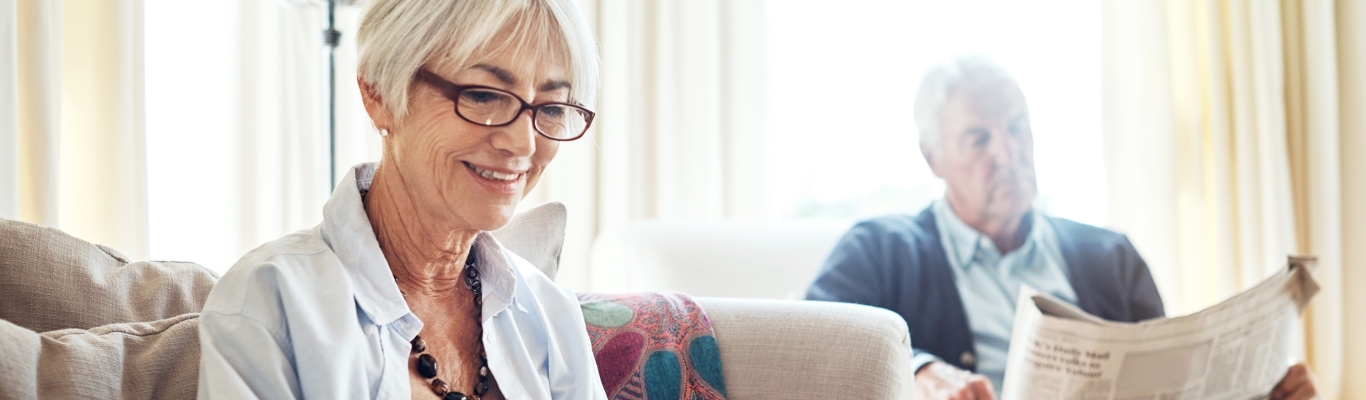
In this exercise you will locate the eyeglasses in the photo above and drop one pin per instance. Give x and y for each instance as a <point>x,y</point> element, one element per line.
<point>483,105</point>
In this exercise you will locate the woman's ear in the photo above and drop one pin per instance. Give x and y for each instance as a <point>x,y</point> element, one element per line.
<point>374,105</point>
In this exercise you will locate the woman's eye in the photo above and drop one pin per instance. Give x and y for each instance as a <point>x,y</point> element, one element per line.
<point>552,111</point>
<point>480,96</point>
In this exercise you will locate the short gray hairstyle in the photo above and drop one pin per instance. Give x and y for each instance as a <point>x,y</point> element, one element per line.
<point>397,37</point>
<point>941,79</point>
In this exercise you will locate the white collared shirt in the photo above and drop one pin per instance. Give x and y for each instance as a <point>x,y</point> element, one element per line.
<point>317,315</point>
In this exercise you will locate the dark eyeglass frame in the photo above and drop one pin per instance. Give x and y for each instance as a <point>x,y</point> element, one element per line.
<point>452,91</point>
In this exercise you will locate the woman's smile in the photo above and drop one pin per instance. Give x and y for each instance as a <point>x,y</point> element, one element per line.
<point>497,180</point>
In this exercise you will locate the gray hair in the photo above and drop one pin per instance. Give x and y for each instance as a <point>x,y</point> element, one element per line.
<point>938,83</point>
<point>397,37</point>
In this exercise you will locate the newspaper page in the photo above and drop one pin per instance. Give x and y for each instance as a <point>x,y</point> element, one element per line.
<point>1238,349</point>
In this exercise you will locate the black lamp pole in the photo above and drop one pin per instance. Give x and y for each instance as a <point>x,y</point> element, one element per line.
<point>331,37</point>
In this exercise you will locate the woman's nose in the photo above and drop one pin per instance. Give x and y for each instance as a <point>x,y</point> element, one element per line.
<point>518,138</point>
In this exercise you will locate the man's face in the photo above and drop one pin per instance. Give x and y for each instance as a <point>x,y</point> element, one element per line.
<point>986,152</point>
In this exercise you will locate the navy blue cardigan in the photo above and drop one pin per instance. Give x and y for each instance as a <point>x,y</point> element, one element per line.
<point>897,262</point>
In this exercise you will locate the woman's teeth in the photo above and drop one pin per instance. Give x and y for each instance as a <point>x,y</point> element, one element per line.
<point>486,174</point>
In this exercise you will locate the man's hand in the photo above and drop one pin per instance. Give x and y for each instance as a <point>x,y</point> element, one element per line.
<point>1298,384</point>
<point>940,381</point>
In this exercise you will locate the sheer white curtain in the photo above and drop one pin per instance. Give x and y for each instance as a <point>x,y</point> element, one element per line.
<point>236,151</point>
<point>34,78</point>
<point>681,129</point>
<point>239,108</point>
<point>1233,138</point>
<point>281,119</point>
<point>9,110</point>
<point>74,104</point>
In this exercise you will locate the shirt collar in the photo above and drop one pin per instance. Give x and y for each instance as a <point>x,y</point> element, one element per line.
<point>966,241</point>
<point>346,229</point>
<point>496,275</point>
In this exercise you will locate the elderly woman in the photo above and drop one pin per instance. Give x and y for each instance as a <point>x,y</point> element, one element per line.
<point>400,292</point>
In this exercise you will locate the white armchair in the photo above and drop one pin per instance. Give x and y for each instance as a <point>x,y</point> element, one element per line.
<point>773,260</point>
<point>770,349</point>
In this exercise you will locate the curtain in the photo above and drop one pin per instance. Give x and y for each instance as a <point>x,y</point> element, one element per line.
<point>282,178</point>
<point>254,145</point>
<point>9,111</point>
<point>249,87</point>
<point>1351,52</point>
<point>1227,149</point>
<point>681,122</point>
<point>73,98</point>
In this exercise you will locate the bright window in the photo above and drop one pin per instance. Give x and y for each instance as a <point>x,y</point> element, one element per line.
<point>190,70</point>
<point>843,80</point>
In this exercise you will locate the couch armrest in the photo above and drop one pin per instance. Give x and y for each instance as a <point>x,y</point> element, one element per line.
<point>810,349</point>
<point>136,360</point>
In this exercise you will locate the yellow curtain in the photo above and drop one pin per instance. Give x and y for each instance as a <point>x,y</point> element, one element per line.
<point>1351,68</point>
<point>1227,148</point>
<point>37,94</point>
<point>73,137</point>
<point>9,113</point>
<point>78,107</point>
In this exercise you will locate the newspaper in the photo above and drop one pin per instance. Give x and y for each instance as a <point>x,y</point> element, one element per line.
<point>1238,349</point>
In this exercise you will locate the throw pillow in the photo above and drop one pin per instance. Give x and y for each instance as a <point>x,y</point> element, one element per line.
<point>52,281</point>
<point>537,235</point>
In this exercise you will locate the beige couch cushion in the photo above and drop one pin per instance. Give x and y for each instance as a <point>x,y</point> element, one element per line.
<point>783,349</point>
<point>83,298</point>
<point>52,281</point>
<point>151,360</point>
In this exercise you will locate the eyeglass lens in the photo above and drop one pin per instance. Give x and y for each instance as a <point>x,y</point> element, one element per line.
<point>491,107</point>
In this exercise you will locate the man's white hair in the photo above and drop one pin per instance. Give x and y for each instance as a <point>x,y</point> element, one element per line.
<point>941,79</point>
<point>397,37</point>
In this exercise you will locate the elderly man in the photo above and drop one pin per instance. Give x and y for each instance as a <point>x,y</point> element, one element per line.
<point>954,270</point>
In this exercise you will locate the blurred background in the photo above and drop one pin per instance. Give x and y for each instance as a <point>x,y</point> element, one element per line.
<point>1219,135</point>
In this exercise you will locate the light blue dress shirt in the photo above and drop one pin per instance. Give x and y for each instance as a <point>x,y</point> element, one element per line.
<point>989,282</point>
<point>317,315</point>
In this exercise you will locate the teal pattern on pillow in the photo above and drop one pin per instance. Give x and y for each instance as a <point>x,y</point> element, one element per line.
<point>657,346</point>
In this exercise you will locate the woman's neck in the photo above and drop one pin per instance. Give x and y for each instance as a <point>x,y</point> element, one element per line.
<point>427,256</point>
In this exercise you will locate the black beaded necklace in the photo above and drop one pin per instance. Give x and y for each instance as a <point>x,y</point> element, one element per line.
<point>426,364</point>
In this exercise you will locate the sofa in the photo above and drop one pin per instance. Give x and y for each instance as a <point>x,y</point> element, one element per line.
<point>81,320</point>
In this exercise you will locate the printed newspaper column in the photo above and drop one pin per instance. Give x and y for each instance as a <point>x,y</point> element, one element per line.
<point>1238,349</point>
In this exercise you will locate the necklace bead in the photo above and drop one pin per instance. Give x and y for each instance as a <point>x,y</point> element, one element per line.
<point>426,364</point>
